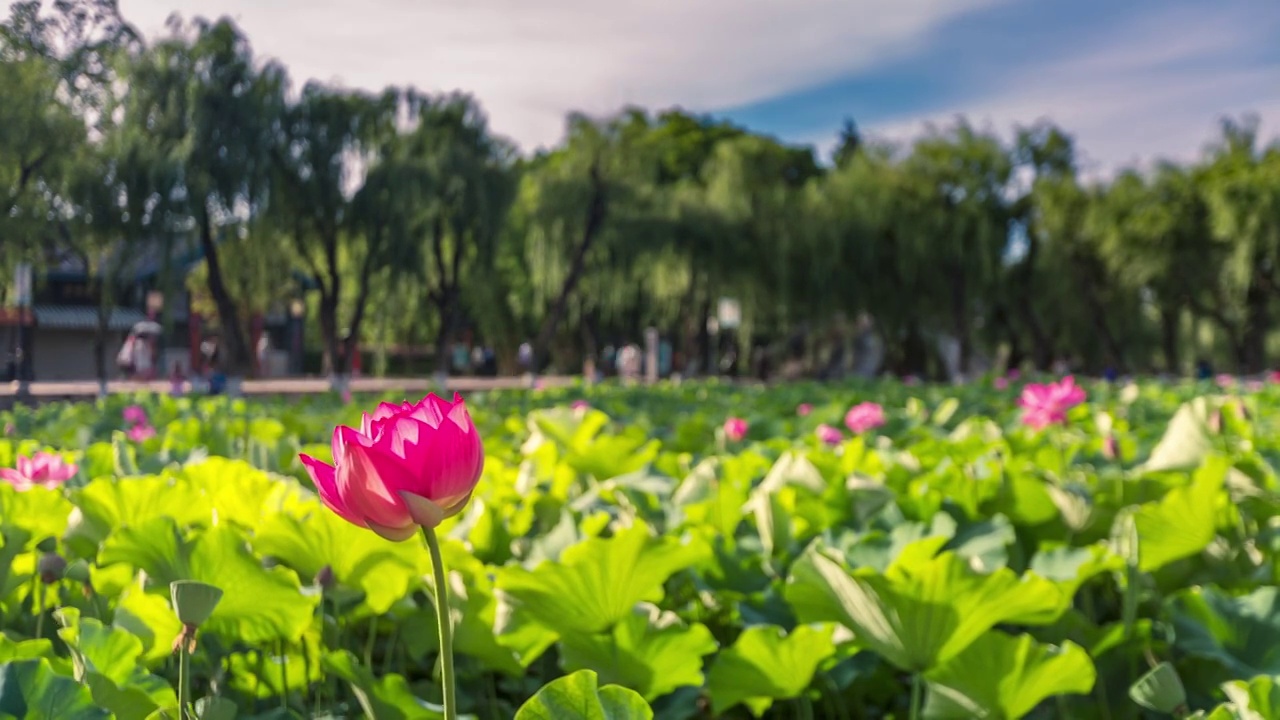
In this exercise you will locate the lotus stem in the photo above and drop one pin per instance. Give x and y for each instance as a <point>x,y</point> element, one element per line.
<point>917,696</point>
<point>444,624</point>
<point>184,683</point>
<point>37,602</point>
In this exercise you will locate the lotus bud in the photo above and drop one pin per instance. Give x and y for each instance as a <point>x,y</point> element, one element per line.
<point>325,579</point>
<point>1110,447</point>
<point>1215,422</point>
<point>735,429</point>
<point>51,568</point>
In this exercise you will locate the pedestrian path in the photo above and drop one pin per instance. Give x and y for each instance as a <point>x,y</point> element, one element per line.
<point>291,386</point>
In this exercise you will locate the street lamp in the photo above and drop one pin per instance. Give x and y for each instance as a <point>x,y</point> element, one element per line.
<point>297,309</point>
<point>22,364</point>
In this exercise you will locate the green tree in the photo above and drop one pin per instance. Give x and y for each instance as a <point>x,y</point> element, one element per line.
<point>1240,186</point>
<point>208,104</point>
<point>326,139</point>
<point>435,200</point>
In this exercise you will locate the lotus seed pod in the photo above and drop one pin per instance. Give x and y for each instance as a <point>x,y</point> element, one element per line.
<point>193,601</point>
<point>79,572</point>
<point>1160,690</point>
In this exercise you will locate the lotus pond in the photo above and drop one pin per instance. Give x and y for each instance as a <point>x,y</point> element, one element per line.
<point>629,553</point>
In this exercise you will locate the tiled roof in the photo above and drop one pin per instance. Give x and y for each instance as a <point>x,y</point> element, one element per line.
<point>68,317</point>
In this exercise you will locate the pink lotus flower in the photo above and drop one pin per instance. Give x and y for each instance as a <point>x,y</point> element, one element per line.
<point>407,466</point>
<point>1254,386</point>
<point>44,469</point>
<point>863,417</point>
<point>580,405</point>
<point>346,396</point>
<point>1225,381</point>
<point>735,429</point>
<point>1001,383</point>
<point>1110,447</point>
<point>829,435</point>
<point>140,433</point>
<point>1274,377</point>
<point>135,415</point>
<point>803,409</point>
<point>1046,404</point>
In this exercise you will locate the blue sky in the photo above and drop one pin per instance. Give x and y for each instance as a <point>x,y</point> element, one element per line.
<point>1133,80</point>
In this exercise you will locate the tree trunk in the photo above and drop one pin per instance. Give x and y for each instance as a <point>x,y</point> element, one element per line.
<point>357,313</point>
<point>1169,320</point>
<point>960,316</point>
<point>706,351</point>
<point>1256,327</point>
<point>1002,319</point>
<point>915,351</point>
<point>1235,333</point>
<point>103,317</point>
<point>100,339</point>
<point>1043,349</point>
<point>235,353</point>
<point>596,209</point>
<point>335,361</point>
<point>446,305</point>
<point>1109,341</point>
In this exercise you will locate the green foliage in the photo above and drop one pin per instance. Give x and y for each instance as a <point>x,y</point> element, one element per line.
<point>412,221</point>
<point>952,561</point>
<point>576,697</point>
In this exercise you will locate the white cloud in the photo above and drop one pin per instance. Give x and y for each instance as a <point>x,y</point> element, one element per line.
<point>1153,90</point>
<point>530,62</point>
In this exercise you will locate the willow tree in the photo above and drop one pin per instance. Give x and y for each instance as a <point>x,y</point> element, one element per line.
<point>57,73</point>
<point>212,107</point>
<point>958,220</point>
<point>856,268</point>
<point>754,183</point>
<point>1240,185</point>
<point>436,198</point>
<point>128,209</point>
<point>1154,238</point>
<point>326,140</point>
<point>41,136</point>
<point>578,208</point>
<point>641,271</point>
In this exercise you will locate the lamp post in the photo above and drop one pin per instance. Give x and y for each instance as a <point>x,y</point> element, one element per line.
<point>22,354</point>
<point>154,304</point>
<point>651,355</point>
<point>297,310</point>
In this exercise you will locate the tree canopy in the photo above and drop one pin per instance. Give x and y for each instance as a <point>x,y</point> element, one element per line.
<point>406,207</point>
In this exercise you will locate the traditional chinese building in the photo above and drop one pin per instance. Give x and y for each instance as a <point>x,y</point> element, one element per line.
<point>63,316</point>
